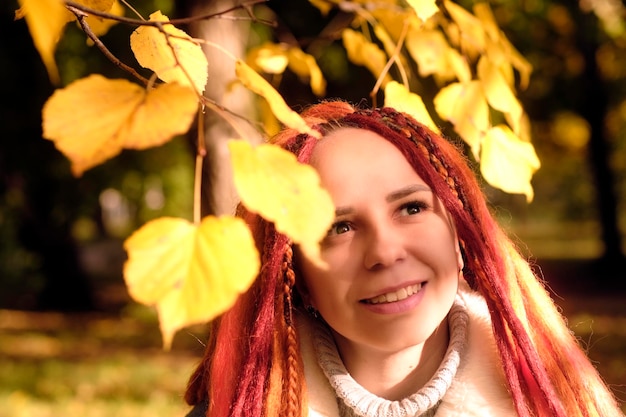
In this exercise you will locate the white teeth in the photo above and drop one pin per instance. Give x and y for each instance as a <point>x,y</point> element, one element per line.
<point>399,295</point>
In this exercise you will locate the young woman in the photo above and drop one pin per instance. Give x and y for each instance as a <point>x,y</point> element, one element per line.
<point>425,309</point>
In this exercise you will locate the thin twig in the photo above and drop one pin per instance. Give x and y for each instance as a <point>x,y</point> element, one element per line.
<point>247,6</point>
<point>132,9</point>
<point>81,17</point>
<point>224,112</point>
<point>200,154</point>
<point>393,59</point>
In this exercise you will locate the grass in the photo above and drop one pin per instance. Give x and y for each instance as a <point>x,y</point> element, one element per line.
<point>92,365</point>
<point>97,365</point>
<point>117,385</point>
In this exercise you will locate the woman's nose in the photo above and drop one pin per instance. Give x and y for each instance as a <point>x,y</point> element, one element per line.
<point>384,246</point>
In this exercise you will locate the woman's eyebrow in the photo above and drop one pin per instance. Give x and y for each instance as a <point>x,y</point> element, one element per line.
<point>396,195</point>
<point>405,191</point>
<point>342,211</point>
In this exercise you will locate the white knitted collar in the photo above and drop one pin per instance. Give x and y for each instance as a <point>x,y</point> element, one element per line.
<point>354,400</point>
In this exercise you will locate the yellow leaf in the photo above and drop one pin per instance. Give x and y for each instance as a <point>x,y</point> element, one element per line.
<point>257,84</point>
<point>400,98</point>
<point>191,274</point>
<point>471,135</point>
<point>393,21</point>
<point>271,125</point>
<point>483,12</point>
<point>498,92</point>
<point>525,133</point>
<point>507,162</point>
<point>269,57</point>
<point>429,50</point>
<point>465,106</point>
<point>167,110</point>
<point>383,36</point>
<point>46,20</point>
<point>305,66</point>
<point>518,61</point>
<point>485,15</point>
<point>472,32</point>
<point>159,254</point>
<point>458,65</point>
<point>156,51</point>
<point>92,119</point>
<point>272,58</point>
<point>322,5</point>
<point>101,26</point>
<point>496,55</point>
<point>99,5</point>
<point>470,120</point>
<point>271,182</point>
<point>424,8</point>
<point>84,119</point>
<point>363,52</point>
<point>453,34</point>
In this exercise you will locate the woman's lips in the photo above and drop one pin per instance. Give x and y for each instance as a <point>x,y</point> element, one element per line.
<point>394,296</point>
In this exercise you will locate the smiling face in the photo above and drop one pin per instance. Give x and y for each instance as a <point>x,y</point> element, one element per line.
<point>392,254</point>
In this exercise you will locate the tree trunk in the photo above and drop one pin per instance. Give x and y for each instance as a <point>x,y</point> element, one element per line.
<point>218,193</point>
<point>593,107</point>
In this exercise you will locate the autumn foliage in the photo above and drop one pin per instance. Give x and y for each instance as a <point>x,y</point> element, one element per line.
<point>194,271</point>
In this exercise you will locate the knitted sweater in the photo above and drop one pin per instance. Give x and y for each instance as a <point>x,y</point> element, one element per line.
<point>478,389</point>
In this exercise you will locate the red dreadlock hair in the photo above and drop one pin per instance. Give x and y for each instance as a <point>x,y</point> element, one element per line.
<point>252,366</point>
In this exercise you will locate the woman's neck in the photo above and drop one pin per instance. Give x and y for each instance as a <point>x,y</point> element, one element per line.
<point>397,374</point>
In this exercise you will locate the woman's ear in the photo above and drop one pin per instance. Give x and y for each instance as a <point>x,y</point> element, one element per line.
<point>459,255</point>
<point>457,243</point>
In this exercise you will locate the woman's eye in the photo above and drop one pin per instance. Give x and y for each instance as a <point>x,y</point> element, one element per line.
<point>339,228</point>
<point>413,208</point>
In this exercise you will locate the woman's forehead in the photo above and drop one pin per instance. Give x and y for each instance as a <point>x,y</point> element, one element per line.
<point>358,157</point>
<point>349,139</point>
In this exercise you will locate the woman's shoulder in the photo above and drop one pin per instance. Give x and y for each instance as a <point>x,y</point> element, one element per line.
<point>475,302</point>
<point>479,388</point>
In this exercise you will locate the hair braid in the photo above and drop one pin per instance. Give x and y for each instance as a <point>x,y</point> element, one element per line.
<point>293,383</point>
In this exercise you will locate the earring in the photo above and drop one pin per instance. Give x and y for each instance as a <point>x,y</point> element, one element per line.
<point>312,311</point>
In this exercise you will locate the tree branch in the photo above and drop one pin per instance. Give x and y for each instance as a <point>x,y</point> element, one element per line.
<point>81,18</point>
<point>247,6</point>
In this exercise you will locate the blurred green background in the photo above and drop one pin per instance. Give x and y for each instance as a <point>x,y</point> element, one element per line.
<point>73,343</point>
